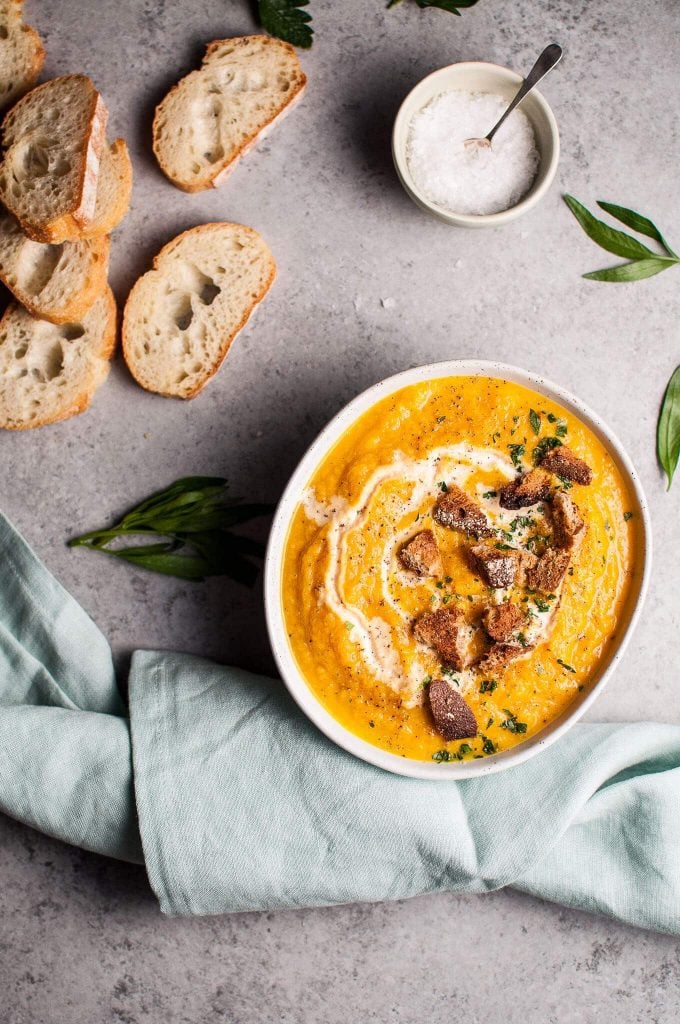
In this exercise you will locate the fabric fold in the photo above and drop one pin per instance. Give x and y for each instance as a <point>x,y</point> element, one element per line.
<point>234,801</point>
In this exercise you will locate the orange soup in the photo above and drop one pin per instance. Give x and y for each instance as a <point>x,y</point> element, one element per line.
<point>356,605</point>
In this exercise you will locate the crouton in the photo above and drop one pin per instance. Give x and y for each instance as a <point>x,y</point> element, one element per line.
<point>501,621</point>
<point>453,717</point>
<point>562,462</point>
<point>524,560</point>
<point>526,490</point>
<point>500,655</point>
<point>457,511</point>
<point>549,571</point>
<point>496,567</point>
<point>421,555</point>
<point>566,520</point>
<point>446,633</point>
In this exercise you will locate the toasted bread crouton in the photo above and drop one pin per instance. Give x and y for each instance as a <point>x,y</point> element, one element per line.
<point>446,633</point>
<point>500,655</point>
<point>528,489</point>
<point>567,523</point>
<point>453,717</point>
<point>501,621</point>
<point>421,555</point>
<point>497,568</point>
<point>457,511</point>
<point>562,462</point>
<point>549,571</point>
<point>524,560</point>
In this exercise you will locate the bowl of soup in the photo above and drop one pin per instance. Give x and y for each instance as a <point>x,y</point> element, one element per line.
<point>455,569</point>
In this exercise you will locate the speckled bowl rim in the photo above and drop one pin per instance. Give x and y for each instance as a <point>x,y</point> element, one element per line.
<point>291,674</point>
<point>536,192</point>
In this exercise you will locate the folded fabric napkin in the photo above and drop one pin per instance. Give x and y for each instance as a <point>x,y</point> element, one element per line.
<point>234,801</point>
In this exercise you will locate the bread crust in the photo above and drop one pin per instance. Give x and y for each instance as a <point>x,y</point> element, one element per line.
<point>75,306</point>
<point>221,169</point>
<point>105,224</point>
<point>70,225</point>
<point>32,71</point>
<point>83,400</point>
<point>128,329</point>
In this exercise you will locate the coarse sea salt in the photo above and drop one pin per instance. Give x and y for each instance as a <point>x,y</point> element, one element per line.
<point>471,179</point>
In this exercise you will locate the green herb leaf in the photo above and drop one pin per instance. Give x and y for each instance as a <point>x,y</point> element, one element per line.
<point>187,526</point>
<point>668,429</point>
<point>627,516</point>
<point>286,20</point>
<point>637,222</point>
<point>610,239</point>
<point>637,271</point>
<point>566,667</point>
<point>490,494</point>
<point>442,486</point>
<point>516,453</point>
<point>543,446</point>
<point>535,421</point>
<point>488,686</point>
<point>488,746</point>
<point>511,723</point>
<point>446,5</point>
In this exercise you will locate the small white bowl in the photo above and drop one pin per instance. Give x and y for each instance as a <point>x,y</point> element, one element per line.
<point>478,76</point>
<point>273,595</point>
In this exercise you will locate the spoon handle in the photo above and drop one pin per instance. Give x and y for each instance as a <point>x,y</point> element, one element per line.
<point>545,63</point>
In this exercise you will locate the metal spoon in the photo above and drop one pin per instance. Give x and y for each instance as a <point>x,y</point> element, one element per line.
<point>545,63</point>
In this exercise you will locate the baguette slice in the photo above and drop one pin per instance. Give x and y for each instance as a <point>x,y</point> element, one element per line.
<point>55,282</point>
<point>181,317</point>
<point>53,141</point>
<point>21,54</point>
<point>213,115</point>
<point>49,373</point>
<point>113,190</point>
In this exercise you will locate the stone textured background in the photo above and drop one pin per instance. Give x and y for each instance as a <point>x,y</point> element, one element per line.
<point>81,938</point>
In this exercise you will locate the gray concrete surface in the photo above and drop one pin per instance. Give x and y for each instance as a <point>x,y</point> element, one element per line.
<point>81,938</point>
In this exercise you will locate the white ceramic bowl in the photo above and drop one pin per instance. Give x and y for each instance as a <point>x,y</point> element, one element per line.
<point>478,76</point>
<point>290,672</point>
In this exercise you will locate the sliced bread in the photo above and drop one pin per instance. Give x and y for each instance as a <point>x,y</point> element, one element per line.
<point>56,282</point>
<point>113,189</point>
<point>47,372</point>
<point>53,140</point>
<point>181,317</point>
<point>21,54</point>
<point>213,115</point>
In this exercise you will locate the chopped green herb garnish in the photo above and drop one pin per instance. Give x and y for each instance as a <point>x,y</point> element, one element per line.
<point>440,419</point>
<point>566,484</point>
<point>439,585</point>
<point>464,748</point>
<point>564,665</point>
<point>542,606</point>
<point>516,453</point>
<point>521,521</point>
<point>349,626</point>
<point>627,516</point>
<point>543,446</point>
<point>372,724</point>
<point>488,686</point>
<point>442,755</point>
<point>495,437</point>
<point>511,723</point>
<point>552,418</point>
<point>426,682</point>
<point>442,487</point>
<point>503,547</point>
<point>489,723</point>
<point>561,429</point>
<point>515,419</point>
<point>535,421</point>
<point>489,747</point>
<point>522,640</point>
<point>448,579</point>
<point>490,494</point>
<point>446,598</point>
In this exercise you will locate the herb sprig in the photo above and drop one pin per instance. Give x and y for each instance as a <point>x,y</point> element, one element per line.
<point>286,20</point>
<point>443,5</point>
<point>643,261</point>
<point>668,430</point>
<point>188,534</point>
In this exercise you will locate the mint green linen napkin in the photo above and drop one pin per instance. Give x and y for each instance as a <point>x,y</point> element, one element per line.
<point>240,804</point>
